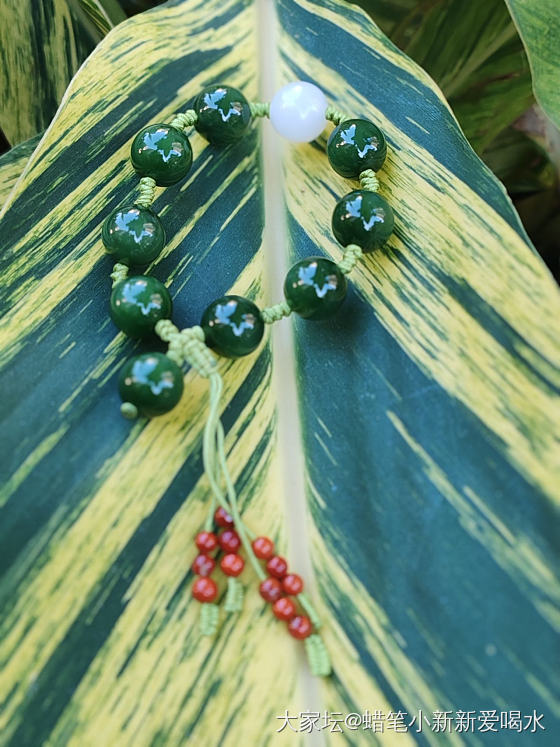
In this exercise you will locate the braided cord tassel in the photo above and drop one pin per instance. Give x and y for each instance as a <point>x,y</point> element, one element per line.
<point>234,595</point>
<point>317,656</point>
<point>209,618</point>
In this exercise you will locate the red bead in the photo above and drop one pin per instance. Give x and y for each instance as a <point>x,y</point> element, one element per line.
<point>204,589</point>
<point>263,548</point>
<point>206,541</point>
<point>270,589</point>
<point>222,518</point>
<point>292,583</point>
<point>232,564</point>
<point>203,565</point>
<point>299,626</point>
<point>284,608</point>
<point>229,540</point>
<point>277,566</point>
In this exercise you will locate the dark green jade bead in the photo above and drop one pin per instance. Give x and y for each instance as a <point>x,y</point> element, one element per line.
<point>162,152</point>
<point>223,114</point>
<point>315,288</point>
<point>356,145</point>
<point>232,326</point>
<point>363,218</point>
<point>138,303</point>
<point>133,235</point>
<point>152,382</point>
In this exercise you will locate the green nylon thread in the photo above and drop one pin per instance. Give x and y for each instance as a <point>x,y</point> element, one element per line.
<point>189,345</point>
<point>259,108</point>
<point>369,181</point>
<point>234,595</point>
<point>214,460</point>
<point>147,192</point>
<point>209,618</point>
<point>335,115</point>
<point>185,119</point>
<point>352,253</point>
<point>275,313</point>
<point>307,605</point>
<point>317,656</point>
<point>120,272</point>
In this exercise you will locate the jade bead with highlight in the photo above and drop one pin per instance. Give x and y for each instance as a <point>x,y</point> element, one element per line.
<point>356,145</point>
<point>162,152</point>
<point>315,288</point>
<point>152,382</point>
<point>133,235</point>
<point>232,326</point>
<point>223,114</point>
<point>137,303</point>
<point>363,218</point>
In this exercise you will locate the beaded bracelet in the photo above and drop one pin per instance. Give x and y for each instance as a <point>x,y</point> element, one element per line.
<point>151,384</point>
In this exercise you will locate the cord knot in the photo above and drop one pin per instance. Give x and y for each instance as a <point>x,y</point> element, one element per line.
<point>196,352</point>
<point>120,272</point>
<point>275,313</point>
<point>335,115</point>
<point>147,191</point>
<point>369,181</point>
<point>259,108</point>
<point>184,119</point>
<point>352,253</point>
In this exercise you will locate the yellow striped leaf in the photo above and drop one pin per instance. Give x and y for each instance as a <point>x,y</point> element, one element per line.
<point>42,47</point>
<point>12,164</point>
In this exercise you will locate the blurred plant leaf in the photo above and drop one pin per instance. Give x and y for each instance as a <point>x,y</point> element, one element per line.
<point>495,95</point>
<point>12,164</point>
<point>43,44</point>
<point>456,38</point>
<point>538,23</point>
<point>428,409</point>
<point>131,7</point>
<point>104,14</point>
<point>521,164</point>
<point>391,14</point>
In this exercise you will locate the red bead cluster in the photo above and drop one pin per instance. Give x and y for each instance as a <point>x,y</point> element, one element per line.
<point>279,588</point>
<point>279,583</point>
<point>227,541</point>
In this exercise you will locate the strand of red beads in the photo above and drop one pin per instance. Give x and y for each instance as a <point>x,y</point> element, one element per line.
<point>151,384</point>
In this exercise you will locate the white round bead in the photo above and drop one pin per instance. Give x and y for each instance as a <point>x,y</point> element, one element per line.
<point>297,111</point>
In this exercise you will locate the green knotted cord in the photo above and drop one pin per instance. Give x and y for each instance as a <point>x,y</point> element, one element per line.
<point>275,313</point>
<point>259,108</point>
<point>317,656</point>
<point>147,192</point>
<point>335,116</point>
<point>120,272</point>
<point>369,181</point>
<point>209,618</point>
<point>184,120</point>
<point>350,257</point>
